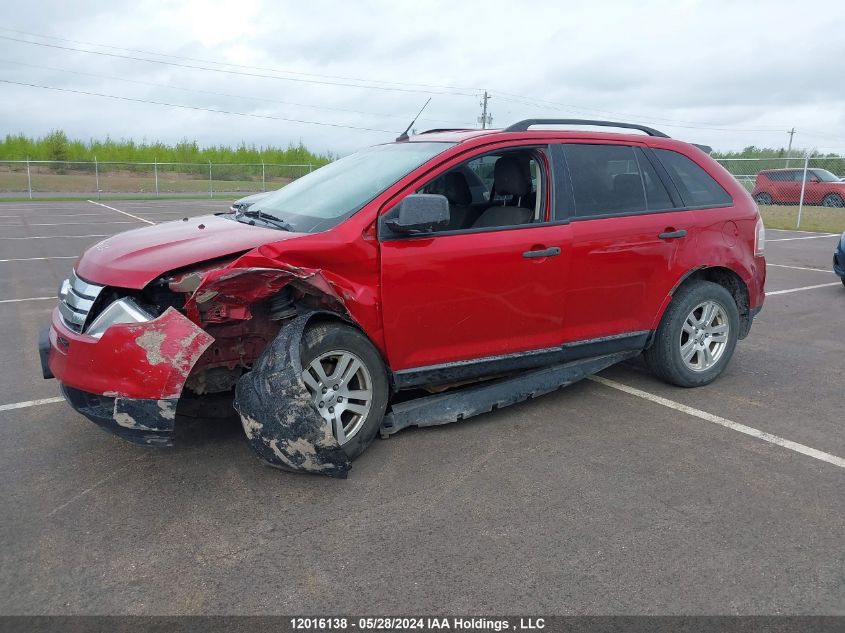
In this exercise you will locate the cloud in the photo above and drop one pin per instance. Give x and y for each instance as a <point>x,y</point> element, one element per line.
<point>756,69</point>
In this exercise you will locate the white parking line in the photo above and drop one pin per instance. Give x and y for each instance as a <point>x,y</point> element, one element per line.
<point>730,424</point>
<point>811,237</point>
<point>29,403</point>
<point>815,270</point>
<point>50,237</point>
<point>789,230</point>
<point>119,211</point>
<point>790,290</point>
<point>27,299</point>
<point>76,223</point>
<point>36,259</point>
<point>61,215</point>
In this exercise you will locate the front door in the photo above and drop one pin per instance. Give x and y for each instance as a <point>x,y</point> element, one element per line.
<point>494,288</point>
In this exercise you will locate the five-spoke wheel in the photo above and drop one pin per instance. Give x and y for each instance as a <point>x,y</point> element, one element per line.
<point>704,336</point>
<point>696,336</point>
<point>342,390</point>
<point>347,382</point>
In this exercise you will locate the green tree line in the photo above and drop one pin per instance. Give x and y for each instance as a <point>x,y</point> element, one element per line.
<point>752,151</point>
<point>777,158</point>
<point>56,146</point>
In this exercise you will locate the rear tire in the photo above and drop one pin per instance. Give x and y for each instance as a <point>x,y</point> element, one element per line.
<point>347,381</point>
<point>696,336</point>
<point>763,198</point>
<point>833,200</point>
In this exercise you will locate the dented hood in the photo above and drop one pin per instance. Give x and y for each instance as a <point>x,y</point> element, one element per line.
<point>135,258</point>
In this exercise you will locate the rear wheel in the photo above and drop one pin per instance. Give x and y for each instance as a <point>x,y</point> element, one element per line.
<point>696,337</point>
<point>347,381</point>
<point>833,200</point>
<point>763,198</point>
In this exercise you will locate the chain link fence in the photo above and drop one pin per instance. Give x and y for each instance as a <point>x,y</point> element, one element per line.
<point>782,186</point>
<point>96,179</point>
<point>792,186</point>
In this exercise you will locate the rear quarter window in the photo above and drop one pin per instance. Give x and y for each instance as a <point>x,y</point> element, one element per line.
<point>696,186</point>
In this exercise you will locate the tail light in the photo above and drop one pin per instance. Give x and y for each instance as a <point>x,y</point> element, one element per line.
<point>759,238</point>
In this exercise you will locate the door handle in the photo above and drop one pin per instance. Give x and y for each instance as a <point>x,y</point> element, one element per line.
<point>546,252</point>
<point>671,235</point>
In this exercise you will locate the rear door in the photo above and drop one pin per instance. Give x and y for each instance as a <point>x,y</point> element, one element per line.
<point>627,233</point>
<point>475,293</point>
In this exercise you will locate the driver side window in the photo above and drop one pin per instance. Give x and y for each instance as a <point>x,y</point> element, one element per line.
<point>501,189</point>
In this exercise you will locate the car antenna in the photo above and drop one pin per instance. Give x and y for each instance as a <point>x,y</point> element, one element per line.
<point>404,135</point>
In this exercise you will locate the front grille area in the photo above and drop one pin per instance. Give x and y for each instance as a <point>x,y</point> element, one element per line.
<point>75,305</point>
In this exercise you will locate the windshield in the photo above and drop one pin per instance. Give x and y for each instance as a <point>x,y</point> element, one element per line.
<point>825,176</point>
<point>326,197</point>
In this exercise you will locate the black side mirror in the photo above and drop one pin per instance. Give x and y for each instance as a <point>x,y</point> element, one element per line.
<point>421,213</point>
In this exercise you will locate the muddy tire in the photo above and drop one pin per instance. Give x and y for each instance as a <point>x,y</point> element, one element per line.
<point>696,337</point>
<point>347,380</point>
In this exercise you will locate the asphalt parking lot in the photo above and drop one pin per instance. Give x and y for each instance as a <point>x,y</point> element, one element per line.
<point>589,500</point>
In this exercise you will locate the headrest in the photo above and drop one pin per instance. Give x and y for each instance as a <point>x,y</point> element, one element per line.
<point>509,177</point>
<point>457,189</point>
<point>627,184</point>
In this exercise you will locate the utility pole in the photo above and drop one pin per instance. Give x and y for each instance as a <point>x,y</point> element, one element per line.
<point>485,119</point>
<point>789,148</point>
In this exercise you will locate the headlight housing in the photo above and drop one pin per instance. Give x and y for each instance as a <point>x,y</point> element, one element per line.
<point>121,311</point>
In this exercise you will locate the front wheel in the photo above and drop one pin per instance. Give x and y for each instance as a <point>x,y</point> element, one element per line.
<point>347,382</point>
<point>696,337</point>
<point>763,198</point>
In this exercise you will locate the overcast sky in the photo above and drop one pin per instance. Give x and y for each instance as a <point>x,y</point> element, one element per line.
<point>728,74</point>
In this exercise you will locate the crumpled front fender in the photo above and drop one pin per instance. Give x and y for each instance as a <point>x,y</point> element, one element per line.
<point>281,424</point>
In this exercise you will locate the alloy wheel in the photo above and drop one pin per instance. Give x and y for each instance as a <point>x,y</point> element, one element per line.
<point>704,336</point>
<point>341,389</point>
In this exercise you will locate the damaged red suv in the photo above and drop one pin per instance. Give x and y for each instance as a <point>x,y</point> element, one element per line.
<point>416,283</point>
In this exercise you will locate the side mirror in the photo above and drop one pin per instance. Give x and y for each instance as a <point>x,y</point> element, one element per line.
<point>421,213</point>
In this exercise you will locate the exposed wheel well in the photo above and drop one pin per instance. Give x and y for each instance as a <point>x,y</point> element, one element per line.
<point>327,317</point>
<point>733,283</point>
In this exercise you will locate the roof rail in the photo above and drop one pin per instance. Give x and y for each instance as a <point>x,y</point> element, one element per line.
<point>447,129</point>
<point>523,126</point>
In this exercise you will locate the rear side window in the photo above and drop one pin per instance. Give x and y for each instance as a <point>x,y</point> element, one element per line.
<point>656,196</point>
<point>613,180</point>
<point>696,186</point>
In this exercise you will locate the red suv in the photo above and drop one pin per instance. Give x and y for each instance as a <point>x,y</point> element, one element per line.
<point>783,186</point>
<point>416,283</point>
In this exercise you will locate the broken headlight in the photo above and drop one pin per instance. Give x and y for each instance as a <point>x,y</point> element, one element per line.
<point>120,311</point>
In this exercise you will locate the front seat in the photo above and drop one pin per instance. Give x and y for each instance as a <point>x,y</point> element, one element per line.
<point>457,192</point>
<point>509,179</point>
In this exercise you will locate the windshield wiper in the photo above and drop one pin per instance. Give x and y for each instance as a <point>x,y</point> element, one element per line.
<point>268,218</point>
